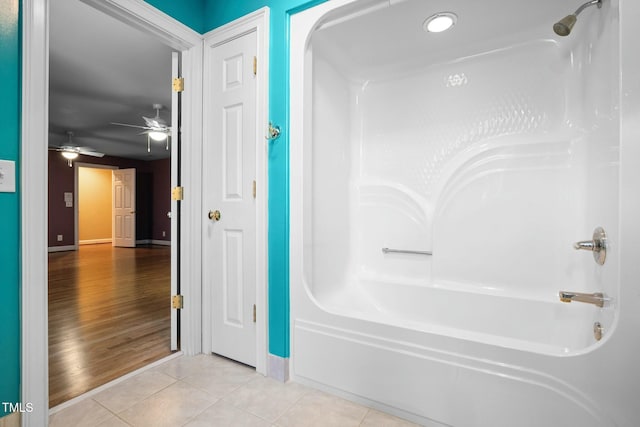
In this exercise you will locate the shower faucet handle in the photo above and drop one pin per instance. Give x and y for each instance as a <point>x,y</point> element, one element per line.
<point>597,245</point>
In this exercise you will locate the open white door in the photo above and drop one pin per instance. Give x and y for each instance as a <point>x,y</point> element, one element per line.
<point>124,208</point>
<point>229,245</point>
<point>175,208</point>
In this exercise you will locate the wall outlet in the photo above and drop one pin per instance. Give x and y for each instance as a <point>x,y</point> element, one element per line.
<point>59,237</point>
<point>164,234</point>
<point>7,176</point>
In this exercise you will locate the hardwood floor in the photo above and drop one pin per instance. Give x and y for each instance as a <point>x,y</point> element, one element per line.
<point>108,315</point>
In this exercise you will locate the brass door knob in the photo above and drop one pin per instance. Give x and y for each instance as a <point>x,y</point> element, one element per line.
<point>214,215</point>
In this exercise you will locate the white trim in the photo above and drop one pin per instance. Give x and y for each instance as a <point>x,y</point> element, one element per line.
<point>62,248</point>
<point>94,241</point>
<point>153,242</point>
<point>34,154</point>
<point>257,21</point>
<point>146,18</point>
<point>34,130</point>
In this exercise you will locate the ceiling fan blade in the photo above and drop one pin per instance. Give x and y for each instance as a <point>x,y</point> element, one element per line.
<point>131,126</point>
<point>91,153</point>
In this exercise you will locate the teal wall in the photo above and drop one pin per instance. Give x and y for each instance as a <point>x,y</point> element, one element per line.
<point>189,12</point>
<point>220,12</point>
<point>10,72</point>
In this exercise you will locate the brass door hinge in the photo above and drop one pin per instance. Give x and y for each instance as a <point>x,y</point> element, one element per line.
<point>177,193</point>
<point>254,313</point>
<point>177,302</point>
<point>178,84</point>
<point>255,65</point>
<point>254,188</point>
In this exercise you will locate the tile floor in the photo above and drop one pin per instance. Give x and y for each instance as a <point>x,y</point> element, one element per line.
<point>204,390</point>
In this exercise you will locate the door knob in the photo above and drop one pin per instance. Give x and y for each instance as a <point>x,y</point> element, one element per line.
<point>215,215</point>
<point>598,245</point>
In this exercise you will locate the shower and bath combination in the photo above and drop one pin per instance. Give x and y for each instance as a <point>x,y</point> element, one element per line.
<point>564,26</point>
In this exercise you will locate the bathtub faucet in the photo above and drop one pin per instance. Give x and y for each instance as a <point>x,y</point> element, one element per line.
<point>597,298</point>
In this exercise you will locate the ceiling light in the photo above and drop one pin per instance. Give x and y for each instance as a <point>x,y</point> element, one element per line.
<point>157,136</point>
<point>439,22</point>
<point>70,155</point>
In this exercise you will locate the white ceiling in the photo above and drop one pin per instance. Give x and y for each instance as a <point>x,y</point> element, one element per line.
<point>103,71</point>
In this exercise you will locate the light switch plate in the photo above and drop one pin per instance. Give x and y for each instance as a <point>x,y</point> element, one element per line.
<point>7,176</point>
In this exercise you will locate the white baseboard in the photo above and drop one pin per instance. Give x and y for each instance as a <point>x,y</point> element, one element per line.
<point>161,242</point>
<point>94,241</point>
<point>62,248</point>
<point>153,242</point>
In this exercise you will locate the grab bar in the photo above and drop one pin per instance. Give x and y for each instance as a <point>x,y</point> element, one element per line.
<point>597,298</point>
<point>403,251</point>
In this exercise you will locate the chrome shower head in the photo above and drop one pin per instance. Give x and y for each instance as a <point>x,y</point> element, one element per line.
<point>563,27</point>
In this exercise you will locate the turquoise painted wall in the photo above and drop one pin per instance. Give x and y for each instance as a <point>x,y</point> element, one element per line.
<point>10,72</point>
<point>220,12</point>
<point>189,12</point>
<point>200,15</point>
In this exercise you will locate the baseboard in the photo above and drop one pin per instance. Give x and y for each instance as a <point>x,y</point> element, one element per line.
<point>94,241</point>
<point>161,242</point>
<point>62,248</point>
<point>278,368</point>
<point>153,242</point>
<point>11,420</point>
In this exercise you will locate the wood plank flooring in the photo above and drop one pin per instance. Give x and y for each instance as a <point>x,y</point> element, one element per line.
<point>108,315</point>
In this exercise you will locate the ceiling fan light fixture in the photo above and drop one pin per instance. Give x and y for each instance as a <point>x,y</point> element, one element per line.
<point>157,136</point>
<point>69,155</point>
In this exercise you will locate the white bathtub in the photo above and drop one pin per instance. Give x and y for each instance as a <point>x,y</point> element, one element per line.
<point>493,147</point>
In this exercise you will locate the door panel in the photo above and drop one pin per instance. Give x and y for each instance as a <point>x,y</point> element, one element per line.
<point>230,158</point>
<point>124,208</point>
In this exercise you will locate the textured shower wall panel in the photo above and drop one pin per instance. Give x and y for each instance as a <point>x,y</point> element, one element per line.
<point>469,159</point>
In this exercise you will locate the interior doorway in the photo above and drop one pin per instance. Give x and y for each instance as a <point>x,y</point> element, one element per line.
<point>35,137</point>
<point>109,292</point>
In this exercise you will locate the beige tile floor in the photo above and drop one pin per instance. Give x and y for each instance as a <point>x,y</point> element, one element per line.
<point>204,390</point>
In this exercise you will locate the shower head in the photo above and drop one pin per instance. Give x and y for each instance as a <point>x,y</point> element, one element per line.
<point>563,27</point>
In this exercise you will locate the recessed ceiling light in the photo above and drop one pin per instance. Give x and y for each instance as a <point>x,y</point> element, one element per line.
<point>439,22</point>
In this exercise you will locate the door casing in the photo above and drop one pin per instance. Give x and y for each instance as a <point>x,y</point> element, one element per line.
<point>258,22</point>
<point>34,142</point>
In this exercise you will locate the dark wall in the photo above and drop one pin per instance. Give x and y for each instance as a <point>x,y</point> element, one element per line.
<point>153,196</point>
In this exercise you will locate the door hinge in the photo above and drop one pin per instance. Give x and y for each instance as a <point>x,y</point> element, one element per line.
<point>254,188</point>
<point>255,65</point>
<point>254,313</point>
<point>178,84</point>
<point>177,302</point>
<point>177,193</point>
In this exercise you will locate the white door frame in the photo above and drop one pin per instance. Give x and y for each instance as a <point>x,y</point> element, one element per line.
<point>257,21</point>
<point>35,100</point>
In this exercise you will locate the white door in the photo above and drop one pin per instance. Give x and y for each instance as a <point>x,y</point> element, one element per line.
<point>228,188</point>
<point>124,208</point>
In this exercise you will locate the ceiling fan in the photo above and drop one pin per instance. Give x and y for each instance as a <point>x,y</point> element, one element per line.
<point>156,127</point>
<point>70,151</point>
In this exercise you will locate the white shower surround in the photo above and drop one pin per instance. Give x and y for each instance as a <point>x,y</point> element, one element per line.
<point>495,146</point>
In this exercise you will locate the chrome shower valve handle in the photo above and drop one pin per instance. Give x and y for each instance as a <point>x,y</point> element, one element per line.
<point>598,245</point>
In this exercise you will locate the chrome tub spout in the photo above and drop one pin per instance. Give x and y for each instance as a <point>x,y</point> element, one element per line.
<point>596,298</point>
